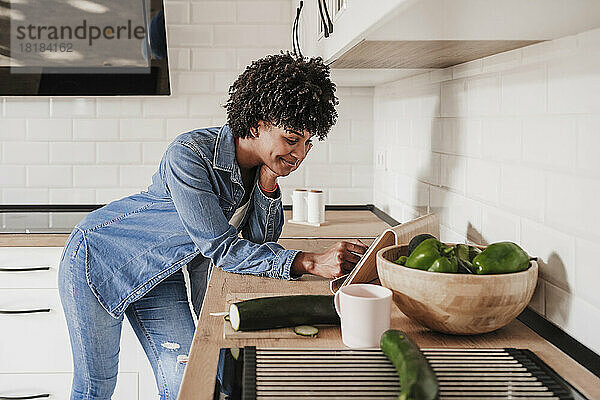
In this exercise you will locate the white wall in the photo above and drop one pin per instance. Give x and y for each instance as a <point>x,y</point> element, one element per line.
<point>96,149</point>
<point>506,148</point>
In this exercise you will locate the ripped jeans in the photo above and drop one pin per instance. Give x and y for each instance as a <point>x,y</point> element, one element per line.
<point>161,320</point>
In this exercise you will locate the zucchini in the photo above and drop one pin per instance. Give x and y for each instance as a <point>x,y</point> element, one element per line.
<point>306,330</point>
<point>417,379</point>
<point>282,312</point>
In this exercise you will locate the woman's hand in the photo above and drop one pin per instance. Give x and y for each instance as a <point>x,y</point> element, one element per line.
<point>334,262</point>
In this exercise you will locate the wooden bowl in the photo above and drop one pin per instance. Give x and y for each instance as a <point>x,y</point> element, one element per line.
<point>455,303</point>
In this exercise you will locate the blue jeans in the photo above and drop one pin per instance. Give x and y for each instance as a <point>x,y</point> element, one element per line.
<point>161,320</point>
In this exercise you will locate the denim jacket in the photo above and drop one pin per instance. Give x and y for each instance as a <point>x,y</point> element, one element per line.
<point>134,243</point>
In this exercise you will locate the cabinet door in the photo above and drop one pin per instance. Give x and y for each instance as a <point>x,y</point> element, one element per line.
<point>29,267</point>
<point>58,386</point>
<point>34,335</point>
<point>353,21</point>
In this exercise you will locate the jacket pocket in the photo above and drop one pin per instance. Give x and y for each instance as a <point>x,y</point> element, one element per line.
<point>226,205</point>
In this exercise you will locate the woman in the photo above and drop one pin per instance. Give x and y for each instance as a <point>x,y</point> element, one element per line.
<point>126,257</point>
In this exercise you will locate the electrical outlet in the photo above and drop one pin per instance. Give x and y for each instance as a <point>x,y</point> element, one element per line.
<point>380,159</point>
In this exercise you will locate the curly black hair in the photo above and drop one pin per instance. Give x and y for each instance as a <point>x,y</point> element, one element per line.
<point>286,91</point>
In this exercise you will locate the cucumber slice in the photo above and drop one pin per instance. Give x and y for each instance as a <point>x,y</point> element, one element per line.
<point>234,317</point>
<point>283,312</point>
<point>226,317</point>
<point>306,330</point>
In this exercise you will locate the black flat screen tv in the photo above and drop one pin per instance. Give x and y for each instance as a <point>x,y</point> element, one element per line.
<point>83,48</point>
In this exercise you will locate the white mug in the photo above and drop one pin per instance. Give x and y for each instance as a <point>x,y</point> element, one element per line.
<point>364,311</point>
<point>316,206</point>
<point>299,205</point>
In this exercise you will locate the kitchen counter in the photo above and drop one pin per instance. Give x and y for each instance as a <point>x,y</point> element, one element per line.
<point>33,239</point>
<point>339,224</point>
<point>199,379</point>
<point>200,374</point>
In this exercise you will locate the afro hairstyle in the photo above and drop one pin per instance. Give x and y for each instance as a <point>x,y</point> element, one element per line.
<point>286,91</point>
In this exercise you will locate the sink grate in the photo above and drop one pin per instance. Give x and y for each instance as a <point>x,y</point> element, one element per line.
<point>278,373</point>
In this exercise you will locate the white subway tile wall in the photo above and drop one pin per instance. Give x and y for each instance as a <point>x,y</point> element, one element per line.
<point>507,153</point>
<point>47,129</point>
<point>94,150</point>
<point>12,175</point>
<point>50,176</point>
<point>13,129</point>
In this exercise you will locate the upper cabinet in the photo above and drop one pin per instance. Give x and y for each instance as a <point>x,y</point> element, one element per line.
<point>424,34</point>
<point>350,18</point>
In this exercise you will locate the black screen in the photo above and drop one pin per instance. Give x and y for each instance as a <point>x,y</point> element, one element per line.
<point>83,47</point>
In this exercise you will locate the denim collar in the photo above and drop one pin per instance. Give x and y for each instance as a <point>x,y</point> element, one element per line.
<point>224,158</point>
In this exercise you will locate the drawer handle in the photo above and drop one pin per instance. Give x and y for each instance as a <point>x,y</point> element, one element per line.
<point>28,269</point>
<point>35,396</point>
<point>33,311</point>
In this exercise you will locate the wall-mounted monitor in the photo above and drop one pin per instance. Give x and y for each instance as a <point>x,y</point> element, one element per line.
<point>83,48</point>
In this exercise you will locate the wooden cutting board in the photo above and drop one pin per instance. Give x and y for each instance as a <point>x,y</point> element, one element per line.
<point>280,333</point>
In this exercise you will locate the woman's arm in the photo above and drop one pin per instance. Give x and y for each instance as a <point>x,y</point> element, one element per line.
<point>187,176</point>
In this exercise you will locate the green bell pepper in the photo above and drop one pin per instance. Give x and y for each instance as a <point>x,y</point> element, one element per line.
<point>501,258</point>
<point>433,255</point>
<point>401,260</point>
<point>465,255</point>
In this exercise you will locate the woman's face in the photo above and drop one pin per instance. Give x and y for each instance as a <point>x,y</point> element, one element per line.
<point>281,149</point>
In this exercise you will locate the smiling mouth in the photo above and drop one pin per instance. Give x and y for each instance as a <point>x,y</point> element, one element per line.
<point>288,163</point>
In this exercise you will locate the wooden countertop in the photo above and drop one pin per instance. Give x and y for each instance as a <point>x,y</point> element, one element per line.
<point>200,374</point>
<point>33,239</point>
<point>199,379</point>
<point>339,224</point>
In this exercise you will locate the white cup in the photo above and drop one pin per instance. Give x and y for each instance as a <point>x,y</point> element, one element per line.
<point>299,205</point>
<point>364,311</point>
<point>316,206</point>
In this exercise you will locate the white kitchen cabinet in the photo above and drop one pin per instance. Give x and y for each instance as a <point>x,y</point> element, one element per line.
<point>354,18</point>
<point>39,342</point>
<point>33,342</point>
<point>35,352</point>
<point>58,385</point>
<point>29,267</point>
<point>415,36</point>
<point>351,19</point>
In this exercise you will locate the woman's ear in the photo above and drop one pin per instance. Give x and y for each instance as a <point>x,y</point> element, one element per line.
<point>255,130</point>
